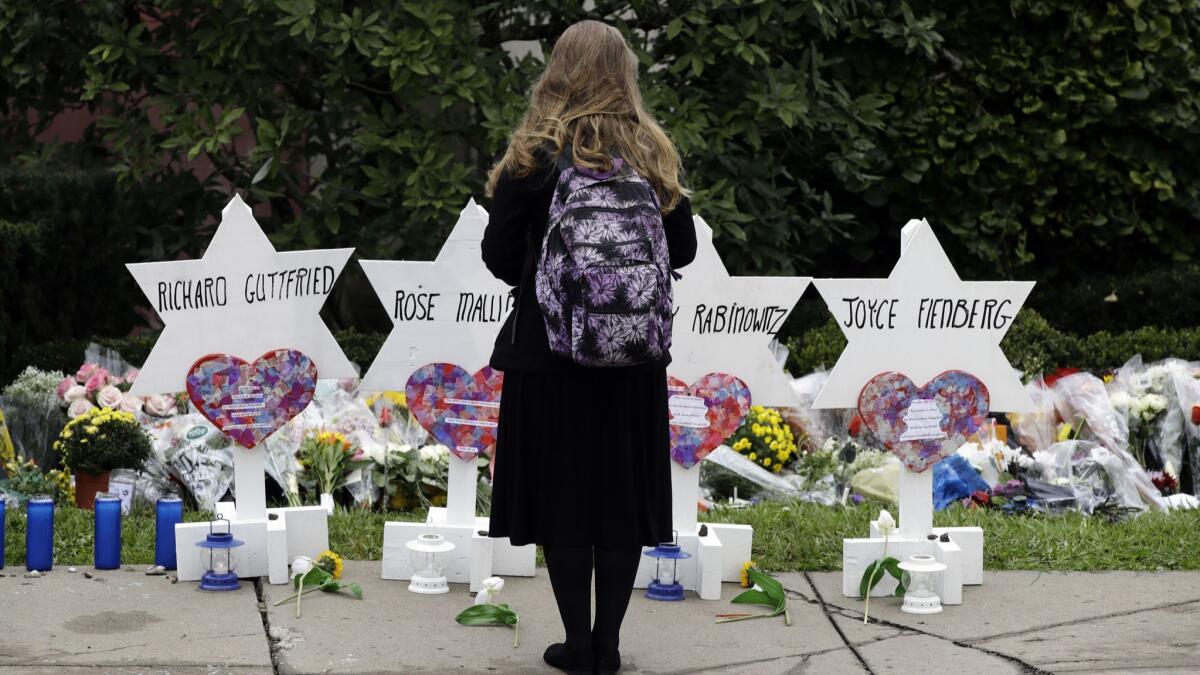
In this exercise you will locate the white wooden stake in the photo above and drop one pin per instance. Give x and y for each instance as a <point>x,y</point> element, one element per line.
<point>685,494</point>
<point>249,467</point>
<point>460,492</point>
<point>916,503</point>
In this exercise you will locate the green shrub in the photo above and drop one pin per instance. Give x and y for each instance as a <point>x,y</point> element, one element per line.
<point>1041,136</point>
<point>1033,346</point>
<point>360,348</point>
<point>1159,294</point>
<point>64,239</point>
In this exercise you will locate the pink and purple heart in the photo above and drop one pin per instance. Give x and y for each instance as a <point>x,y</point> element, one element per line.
<point>250,401</point>
<point>923,425</point>
<point>460,410</point>
<point>704,414</point>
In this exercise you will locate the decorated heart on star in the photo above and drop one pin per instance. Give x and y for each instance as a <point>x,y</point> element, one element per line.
<point>459,409</point>
<point>704,414</point>
<point>250,401</point>
<point>923,425</point>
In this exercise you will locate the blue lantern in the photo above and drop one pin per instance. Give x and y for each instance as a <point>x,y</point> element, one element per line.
<point>661,589</point>
<point>220,574</point>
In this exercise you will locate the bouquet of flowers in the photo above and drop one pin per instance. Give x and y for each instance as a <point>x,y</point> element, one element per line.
<point>196,455</point>
<point>94,386</point>
<point>25,479</point>
<point>765,439</point>
<point>326,458</point>
<point>1147,396</point>
<point>1083,402</point>
<point>32,415</point>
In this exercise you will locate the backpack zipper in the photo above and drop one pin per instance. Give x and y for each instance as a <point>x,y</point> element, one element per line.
<point>605,209</point>
<point>588,244</point>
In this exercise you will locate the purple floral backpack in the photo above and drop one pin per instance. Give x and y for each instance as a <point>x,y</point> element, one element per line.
<point>604,274</point>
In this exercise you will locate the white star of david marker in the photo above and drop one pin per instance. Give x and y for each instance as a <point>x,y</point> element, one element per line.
<point>443,311</point>
<point>923,320</point>
<point>241,298</point>
<point>725,324</point>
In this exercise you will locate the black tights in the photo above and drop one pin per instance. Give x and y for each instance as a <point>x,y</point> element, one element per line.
<point>571,577</point>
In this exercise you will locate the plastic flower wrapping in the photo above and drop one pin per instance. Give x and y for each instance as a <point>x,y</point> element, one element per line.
<point>1096,445</point>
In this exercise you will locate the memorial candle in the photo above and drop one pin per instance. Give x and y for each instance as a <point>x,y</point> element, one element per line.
<point>108,532</point>
<point>168,512</point>
<point>39,534</point>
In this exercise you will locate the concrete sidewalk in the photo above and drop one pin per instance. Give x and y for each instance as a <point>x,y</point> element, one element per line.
<point>1017,622</point>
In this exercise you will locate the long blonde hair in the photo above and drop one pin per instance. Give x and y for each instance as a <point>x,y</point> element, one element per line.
<point>588,98</point>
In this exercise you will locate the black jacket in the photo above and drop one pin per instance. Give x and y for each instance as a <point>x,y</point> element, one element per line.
<point>511,244</point>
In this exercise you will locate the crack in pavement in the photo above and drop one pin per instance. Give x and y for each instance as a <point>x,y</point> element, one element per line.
<point>1027,668</point>
<point>264,613</point>
<point>836,627</point>
<point>1077,622</point>
<point>801,595</point>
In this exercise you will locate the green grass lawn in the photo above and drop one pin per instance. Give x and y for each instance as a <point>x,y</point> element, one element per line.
<point>786,537</point>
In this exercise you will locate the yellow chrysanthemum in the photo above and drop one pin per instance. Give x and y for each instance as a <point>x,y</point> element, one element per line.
<point>752,456</point>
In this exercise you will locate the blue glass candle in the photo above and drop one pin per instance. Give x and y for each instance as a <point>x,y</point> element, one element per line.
<point>2,530</point>
<point>168,512</point>
<point>39,534</point>
<point>108,532</point>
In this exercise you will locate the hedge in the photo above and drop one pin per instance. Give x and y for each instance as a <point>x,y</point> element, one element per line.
<point>64,237</point>
<point>1044,138</point>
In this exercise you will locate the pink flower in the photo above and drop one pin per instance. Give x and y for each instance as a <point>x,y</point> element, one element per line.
<point>85,371</point>
<point>108,397</point>
<point>75,393</point>
<point>131,404</point>
<point>79,407</point>
<point>97,380</point>
<point>131,375</point>
<point>64,387</point>
<point>161,405</point>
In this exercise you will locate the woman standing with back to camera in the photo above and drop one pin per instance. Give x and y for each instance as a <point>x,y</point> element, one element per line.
<point>588,221</point>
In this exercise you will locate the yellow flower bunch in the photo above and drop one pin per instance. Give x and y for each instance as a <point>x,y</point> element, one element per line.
<point>764,438</point>
<point>332,438</point>
<point>103,439</point>
<point>398,399</point>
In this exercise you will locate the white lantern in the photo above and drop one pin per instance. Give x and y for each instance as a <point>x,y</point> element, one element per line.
<point>427,555</point>
<point>922,578</point>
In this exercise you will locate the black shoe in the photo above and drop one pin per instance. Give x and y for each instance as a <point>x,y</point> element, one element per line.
<point>568,660</point>
<point>608,660</point>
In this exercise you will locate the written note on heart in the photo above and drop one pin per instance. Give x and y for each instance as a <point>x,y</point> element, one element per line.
<point>704,414</point>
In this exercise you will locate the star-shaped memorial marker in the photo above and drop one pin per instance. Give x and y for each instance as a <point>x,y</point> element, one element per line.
<point>921,321</point>
<point>443,311</point>
<point>241,298</point>
<point>725,324</point>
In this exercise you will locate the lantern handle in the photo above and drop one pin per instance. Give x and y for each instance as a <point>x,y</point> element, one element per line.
<point>213,522</point>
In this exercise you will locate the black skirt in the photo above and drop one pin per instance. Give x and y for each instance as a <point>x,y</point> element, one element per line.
<point>583,459</point>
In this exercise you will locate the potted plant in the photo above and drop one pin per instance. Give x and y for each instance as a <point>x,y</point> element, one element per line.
<point>97,442</point>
